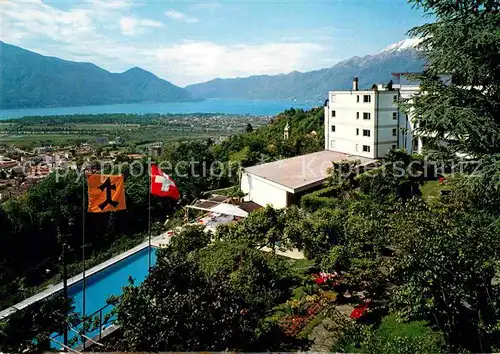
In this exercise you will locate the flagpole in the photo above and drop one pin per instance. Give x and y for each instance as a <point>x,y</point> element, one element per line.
<point>84,211</point>
<point>149,210</point>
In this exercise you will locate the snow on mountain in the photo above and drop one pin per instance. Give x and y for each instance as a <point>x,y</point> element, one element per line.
<point>405,44</point>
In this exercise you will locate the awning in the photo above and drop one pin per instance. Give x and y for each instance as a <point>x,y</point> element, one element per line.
<point>229,209</point>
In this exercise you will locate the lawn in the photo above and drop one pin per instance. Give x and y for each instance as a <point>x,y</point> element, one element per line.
<point>390,328</point>
<point>37,139</point>
<point>430,191</point>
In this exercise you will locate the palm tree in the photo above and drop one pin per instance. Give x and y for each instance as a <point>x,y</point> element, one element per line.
<point>235,194</point>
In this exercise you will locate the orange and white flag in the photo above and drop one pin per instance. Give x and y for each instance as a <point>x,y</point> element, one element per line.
<point>106,193</point>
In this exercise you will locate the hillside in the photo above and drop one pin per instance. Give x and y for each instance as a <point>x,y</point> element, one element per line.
<point>314,85</point>
<point>28,79</point>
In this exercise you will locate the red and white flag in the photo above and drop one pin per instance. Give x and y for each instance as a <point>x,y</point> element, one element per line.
<point>162,184</point>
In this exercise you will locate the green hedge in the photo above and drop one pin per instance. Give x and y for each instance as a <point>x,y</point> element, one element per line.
<point>323,198</point>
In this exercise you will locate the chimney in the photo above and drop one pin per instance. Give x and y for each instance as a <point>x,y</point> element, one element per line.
<point>355,86</point>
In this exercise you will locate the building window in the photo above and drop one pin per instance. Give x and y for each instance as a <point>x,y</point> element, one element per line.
<point>366,116</point>
<point>357,98</point>
<point>367,98</point>
<point>333,144</point>
<point>357,131</point>
<point>394,132</point>
<point>357,115</point>
<point>332,99</point>
<point>394,98</point>
<point>333,128</point>
<point>366,132</point>
<point>357,147</point>
<point>393,146</point>
<point>333,113</point>
<point>394,115</point>
<point>366,148</point>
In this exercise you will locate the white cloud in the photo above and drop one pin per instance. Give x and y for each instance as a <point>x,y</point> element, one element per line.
<point>206,6</point>
<point>132,26</point>
<point>127,25</point>
<point>179,16</point>
<point>92,32</point>
<point>190,61</point>
<point>151,23</point>
<point>112,4</point>
<point>38,19</point>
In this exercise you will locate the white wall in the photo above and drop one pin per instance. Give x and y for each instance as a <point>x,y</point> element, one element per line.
<point>387,106</point>
<point>326,127</point>
<point>263,192</point>
<point>407,91</point>
<point>346,107</point>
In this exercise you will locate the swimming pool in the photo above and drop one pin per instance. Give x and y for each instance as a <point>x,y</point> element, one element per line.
<point>109,281</point>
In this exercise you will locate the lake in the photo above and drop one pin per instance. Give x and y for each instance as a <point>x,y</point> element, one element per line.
<point>227,106</point>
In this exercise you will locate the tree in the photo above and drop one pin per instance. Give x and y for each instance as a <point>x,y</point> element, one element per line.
<point>445,265</point>
<point>261,279</point>
<point>178,309</point>
<point>261,228</point>
<point>318,232</point>
<point>463,42</point>
<point>399,177</point>
<point>188,163</point>
<point>190,239</point>
<point>28,330</point>
<point>249,128</point>
<point>235,193</point>
<point>204,297</point>
<point>479,191</point>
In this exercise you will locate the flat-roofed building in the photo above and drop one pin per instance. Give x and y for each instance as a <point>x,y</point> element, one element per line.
<point>6,163</point>
<point>282,183</point>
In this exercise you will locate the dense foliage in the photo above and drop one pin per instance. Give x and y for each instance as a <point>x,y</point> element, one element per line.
<point>202,297</point>
<point>178,309</point>
<point>464,44</point>
<point>420,272</point>
<point>50,213</point>
<point>28,330</point>
<point>36,225</point>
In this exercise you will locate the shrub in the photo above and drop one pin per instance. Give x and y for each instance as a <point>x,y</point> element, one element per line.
<point>323,198</point>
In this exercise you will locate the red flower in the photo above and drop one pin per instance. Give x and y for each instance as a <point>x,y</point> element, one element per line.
<point>320,280</point>
<point>313,309</point>
<point>292,325</point>
<point>359,311</point>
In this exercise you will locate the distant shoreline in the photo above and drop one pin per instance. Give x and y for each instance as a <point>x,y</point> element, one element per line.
<point>209,106</point>
<point>98,104</point>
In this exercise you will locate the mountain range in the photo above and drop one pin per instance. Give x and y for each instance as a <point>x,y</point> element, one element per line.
<point>314,85</point>
<point>28,79</point>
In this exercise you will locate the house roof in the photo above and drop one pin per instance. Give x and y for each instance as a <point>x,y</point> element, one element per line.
<point>302,172</point>
<point>249,206</point>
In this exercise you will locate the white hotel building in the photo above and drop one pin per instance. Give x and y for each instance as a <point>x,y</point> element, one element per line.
<point>361,125</point>
<point>368,123</point>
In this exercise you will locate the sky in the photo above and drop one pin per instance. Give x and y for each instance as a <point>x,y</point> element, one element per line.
<point>186,42</point>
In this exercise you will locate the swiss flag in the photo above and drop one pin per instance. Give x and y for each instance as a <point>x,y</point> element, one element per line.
<point>162,184</point>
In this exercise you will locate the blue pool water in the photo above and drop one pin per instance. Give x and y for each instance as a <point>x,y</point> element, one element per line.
<point>107,282</point>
